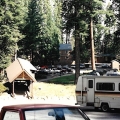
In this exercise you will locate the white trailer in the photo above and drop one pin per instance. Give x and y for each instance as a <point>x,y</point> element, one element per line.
<point>98,91</point>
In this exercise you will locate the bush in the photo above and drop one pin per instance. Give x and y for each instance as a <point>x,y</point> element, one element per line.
<point>40,76</point>
<point>1,77</point>
<point>2,88</point>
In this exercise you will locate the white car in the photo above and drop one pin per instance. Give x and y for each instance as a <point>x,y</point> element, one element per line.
<point>112,74</point>
<point>56,70</point>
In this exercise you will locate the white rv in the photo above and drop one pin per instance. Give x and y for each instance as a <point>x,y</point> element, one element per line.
<point>98,91</point>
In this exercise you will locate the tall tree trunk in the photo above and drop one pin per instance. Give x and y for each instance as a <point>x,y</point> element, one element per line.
<point>77,56</point>
<point>92,45</point>
<point>77,46</point>
<point>67,36</point>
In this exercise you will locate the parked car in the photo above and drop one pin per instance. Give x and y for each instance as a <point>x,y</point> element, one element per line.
<point>94,72</point>
<point>43,71</point>
<point>56,70</point>
<point>114,70</point>
<point>105,66</point>
<point>59,67</point>
<point>42,112</point>
<point>51,71</point>
<point>44,67</point>
<point>112,73</point>
<point>73,66</point>
<point>82,66</point>
<point>67,68</point>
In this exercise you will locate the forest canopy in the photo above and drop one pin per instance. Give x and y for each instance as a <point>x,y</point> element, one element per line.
<point>33,29</point>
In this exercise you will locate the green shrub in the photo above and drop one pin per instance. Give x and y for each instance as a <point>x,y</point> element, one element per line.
<point>40,76</point>
<point>2,88</point>
<point>1,77</point>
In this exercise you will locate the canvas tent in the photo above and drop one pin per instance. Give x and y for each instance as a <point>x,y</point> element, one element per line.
<point>21,69</point>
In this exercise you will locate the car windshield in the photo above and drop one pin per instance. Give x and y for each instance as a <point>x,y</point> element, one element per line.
<point>54,114</point>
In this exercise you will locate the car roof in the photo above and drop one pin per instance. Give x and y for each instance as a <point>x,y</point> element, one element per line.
<point>33,106</point>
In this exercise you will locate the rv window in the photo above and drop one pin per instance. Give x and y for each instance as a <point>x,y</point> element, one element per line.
<point>90,84</point>
<point>105,86</point>
<point>119,87</point>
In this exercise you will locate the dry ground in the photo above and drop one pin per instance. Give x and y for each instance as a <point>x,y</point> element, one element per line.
<point>48,89</point>
<point>43,93</point>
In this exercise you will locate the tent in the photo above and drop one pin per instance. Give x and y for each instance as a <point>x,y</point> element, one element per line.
<point>21,70</point>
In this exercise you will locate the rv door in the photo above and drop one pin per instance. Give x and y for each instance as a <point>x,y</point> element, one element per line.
<point>90,92</point>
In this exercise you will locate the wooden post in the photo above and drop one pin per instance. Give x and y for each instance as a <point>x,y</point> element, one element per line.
<point>13,92</point>
<point>31,88</point>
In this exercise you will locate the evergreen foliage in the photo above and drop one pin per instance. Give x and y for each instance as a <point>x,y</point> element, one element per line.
<point>11,18</point>
<point>84,8</point>
<point>2,88</point>
<point>42,32</point>
<point>37,27</point>
<point>116,38</point>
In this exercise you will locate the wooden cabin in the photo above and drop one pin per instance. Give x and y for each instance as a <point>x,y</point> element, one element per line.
<point>21,71</point>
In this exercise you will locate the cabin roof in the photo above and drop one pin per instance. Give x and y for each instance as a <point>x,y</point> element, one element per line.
<point>65,47</point>
<point>20,68</point>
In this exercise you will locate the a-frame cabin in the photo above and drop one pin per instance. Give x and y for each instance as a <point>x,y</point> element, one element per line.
<point>21,70</point>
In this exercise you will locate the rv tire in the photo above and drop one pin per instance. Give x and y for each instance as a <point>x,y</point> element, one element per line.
<point>104,107</point>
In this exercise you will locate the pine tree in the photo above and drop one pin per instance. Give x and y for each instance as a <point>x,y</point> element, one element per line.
<point>42,32</point>
<point>80,15</point>
<point>116,46</point>
<point>11,18</point>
